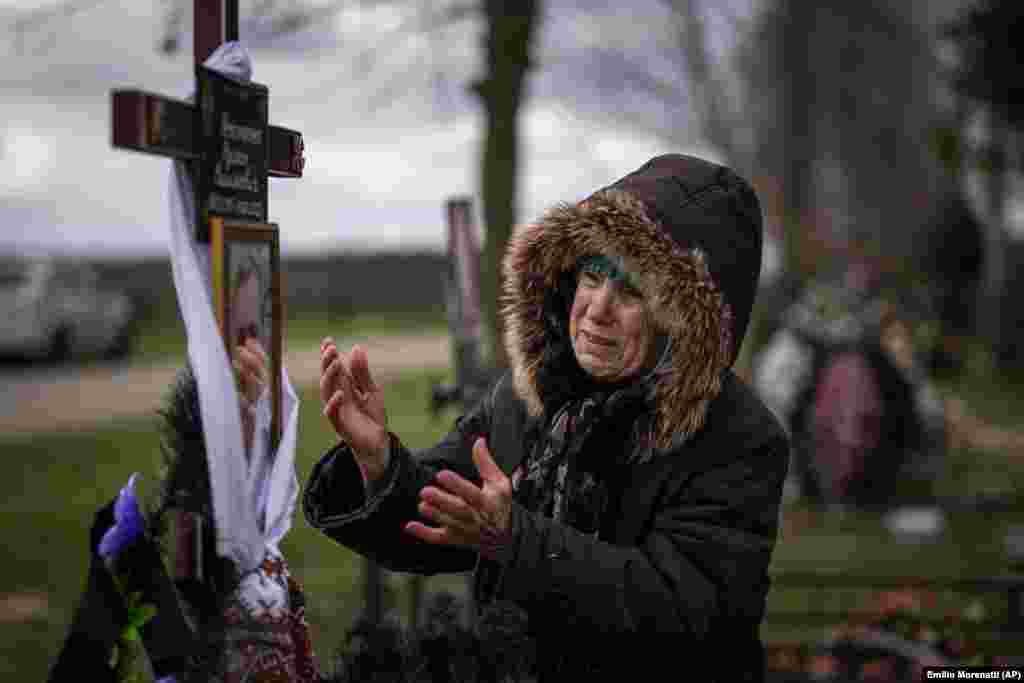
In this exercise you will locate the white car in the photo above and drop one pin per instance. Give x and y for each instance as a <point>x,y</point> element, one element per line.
<point>52,308</point>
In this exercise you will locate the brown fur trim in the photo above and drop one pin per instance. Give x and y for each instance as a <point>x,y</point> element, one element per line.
<point>684,301</point>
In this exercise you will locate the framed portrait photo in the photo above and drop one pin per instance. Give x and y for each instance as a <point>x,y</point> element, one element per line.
<point>246,275</point>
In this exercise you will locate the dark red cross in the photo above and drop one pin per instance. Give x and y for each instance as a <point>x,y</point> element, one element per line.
<point>164,126</point>
<point>168,127</point>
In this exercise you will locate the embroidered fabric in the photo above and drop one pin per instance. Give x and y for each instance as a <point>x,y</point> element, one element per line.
<point>266,636</point>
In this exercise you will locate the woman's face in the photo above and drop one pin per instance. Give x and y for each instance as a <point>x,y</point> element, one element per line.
<point>609,325</point>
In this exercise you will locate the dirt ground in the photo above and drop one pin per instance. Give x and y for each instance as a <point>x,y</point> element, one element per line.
<point>80,398</point>
<point>36,400</point>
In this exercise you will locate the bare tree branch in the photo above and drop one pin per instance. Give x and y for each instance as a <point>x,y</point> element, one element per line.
<point>364,63</point>
<point>707,89</point>
<point>44,18</point>
<point>609,70</point>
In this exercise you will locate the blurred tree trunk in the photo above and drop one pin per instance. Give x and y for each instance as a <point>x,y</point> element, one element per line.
<point>779,92</point>
<point>707,95</point>
<point>511,27</point>
<point>825,79</point>
<point>991,294</point>
<point>794,29</point>
<point>988,76</point>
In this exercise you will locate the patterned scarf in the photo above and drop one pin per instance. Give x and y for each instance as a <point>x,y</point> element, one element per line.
<point>552,481</point>
<point>566,480</point>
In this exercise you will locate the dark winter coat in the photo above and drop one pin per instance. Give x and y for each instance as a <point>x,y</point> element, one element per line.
<point>677,574</point>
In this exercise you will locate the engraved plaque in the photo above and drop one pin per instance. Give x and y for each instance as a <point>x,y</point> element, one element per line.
<point>233,143</point>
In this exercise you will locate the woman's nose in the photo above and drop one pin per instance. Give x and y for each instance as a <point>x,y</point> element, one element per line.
<point>603,301</point>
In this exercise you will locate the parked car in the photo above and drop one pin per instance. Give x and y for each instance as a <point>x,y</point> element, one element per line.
<point>54,308</point>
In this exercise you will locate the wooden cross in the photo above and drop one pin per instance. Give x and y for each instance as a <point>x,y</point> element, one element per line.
<point>168,127</point>
<point>232,150</point>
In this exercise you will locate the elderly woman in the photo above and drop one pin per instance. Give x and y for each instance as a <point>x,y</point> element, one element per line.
<point>620,481</point>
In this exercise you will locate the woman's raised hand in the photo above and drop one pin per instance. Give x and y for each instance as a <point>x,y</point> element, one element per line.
<point>354,405</point>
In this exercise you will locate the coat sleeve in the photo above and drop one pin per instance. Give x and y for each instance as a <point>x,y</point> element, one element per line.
<point>336,503</point>
<point>705,558</point>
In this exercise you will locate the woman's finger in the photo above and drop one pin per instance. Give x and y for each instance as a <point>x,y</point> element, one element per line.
<point>332,378</point>
<point>360,370</point>
<point>332,409</point>
<point>485,465</point>
<point>432,535</point>
<point>326,385</point>
<point>327,355</point>
<point>452,506</point>
<point>457,530</point>
<point>347,364</point>
<point>464,489</point>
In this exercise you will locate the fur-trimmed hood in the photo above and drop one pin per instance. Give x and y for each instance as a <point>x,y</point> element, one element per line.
<point>690,233</point>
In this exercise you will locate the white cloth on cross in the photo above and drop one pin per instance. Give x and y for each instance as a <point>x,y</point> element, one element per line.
<point>253,505</point>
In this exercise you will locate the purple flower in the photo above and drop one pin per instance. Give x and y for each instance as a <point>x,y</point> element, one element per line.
<point>168,679</point>
<point>128,522</point>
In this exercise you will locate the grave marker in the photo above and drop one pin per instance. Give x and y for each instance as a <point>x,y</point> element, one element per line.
<point>231,150</point>
<point>462,293</point>
<point>462,290</point>
<point>225,136</point>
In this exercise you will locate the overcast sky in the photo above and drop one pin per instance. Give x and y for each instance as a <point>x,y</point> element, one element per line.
<point>384,147</point>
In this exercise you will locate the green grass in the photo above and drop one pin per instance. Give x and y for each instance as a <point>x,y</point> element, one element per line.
<point>995,396</point>
<point>163,339</point>
<point>852,543</point>
<point>856,543</point>
<point>56,482</point>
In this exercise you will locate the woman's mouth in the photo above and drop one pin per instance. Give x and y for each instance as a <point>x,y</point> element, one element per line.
<point>598,340</point>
